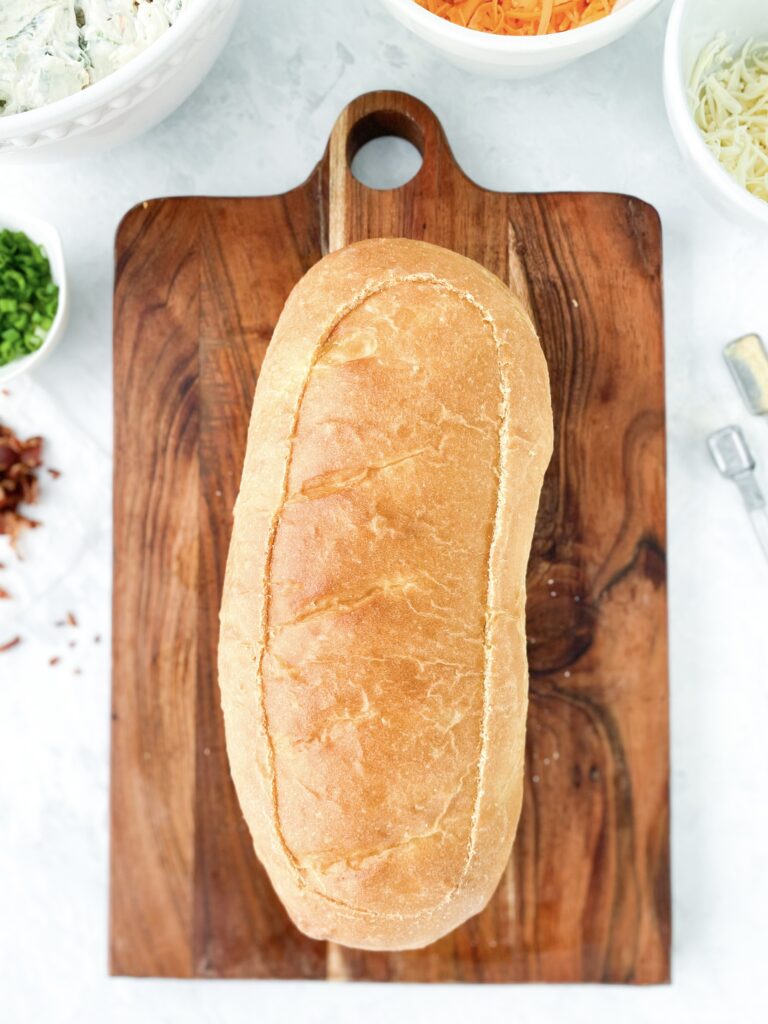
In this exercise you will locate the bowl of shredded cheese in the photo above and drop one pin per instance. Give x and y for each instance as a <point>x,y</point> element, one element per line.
<point>518,38</point>
<point>716,91</point>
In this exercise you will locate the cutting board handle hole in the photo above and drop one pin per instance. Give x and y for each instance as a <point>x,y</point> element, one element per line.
<point>385,149</point>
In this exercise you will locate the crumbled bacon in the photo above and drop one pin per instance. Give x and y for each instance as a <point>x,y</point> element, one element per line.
<point>18,481</point>
<point>10,644</point>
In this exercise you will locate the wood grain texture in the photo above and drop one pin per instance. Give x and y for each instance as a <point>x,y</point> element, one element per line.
<point>200,284</point>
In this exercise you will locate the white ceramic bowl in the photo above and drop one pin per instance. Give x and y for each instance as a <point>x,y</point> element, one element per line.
<point>693,24</point>
<point>129,101</point>
<point>516,56</point>
<point>47,236</point>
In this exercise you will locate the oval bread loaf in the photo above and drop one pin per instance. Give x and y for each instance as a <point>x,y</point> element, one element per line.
<point>372,657</point>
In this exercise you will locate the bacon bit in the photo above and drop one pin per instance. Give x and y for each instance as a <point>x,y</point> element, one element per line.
<point>10,644</point>
<point>97,639</point>
<point>55,473</point>
<point>6,392</point>
<point>54,661</point>
<point>71,620</point>
<point>18,481</point>
<point>4,595</point>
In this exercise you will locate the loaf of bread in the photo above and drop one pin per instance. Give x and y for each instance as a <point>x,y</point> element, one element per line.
<point>372,658</point>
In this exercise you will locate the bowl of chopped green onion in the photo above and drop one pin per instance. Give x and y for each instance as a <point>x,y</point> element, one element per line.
<point>33,293</point>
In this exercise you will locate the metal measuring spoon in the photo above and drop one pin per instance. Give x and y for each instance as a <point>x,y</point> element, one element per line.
<point>733,458</point>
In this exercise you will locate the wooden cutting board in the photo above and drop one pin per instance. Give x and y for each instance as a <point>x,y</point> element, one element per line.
<point>200,284</point>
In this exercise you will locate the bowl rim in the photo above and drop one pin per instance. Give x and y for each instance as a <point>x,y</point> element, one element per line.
<point>43,233</point>
<point>605,28</point>
<point>685,129</point>
<point>93,97</point>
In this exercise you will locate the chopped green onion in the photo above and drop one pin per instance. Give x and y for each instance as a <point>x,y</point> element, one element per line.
<point>29,297</point>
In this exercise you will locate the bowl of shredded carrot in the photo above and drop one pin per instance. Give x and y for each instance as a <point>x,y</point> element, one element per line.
<point>517,38</point>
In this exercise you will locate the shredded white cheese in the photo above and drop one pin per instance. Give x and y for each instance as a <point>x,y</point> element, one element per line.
<point>729,98</point>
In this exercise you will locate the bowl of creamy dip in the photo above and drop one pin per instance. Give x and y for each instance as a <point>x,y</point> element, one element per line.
<point>78,76</point>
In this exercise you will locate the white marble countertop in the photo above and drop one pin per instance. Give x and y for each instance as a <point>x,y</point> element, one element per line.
<point>258,125</point>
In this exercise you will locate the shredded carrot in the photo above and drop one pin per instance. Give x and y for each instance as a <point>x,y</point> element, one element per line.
<point>520,17</point>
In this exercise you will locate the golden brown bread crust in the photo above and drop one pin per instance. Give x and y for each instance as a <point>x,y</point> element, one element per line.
<point>372,657</point>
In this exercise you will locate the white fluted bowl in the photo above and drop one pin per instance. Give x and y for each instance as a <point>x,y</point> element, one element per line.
<point>129,101</point>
